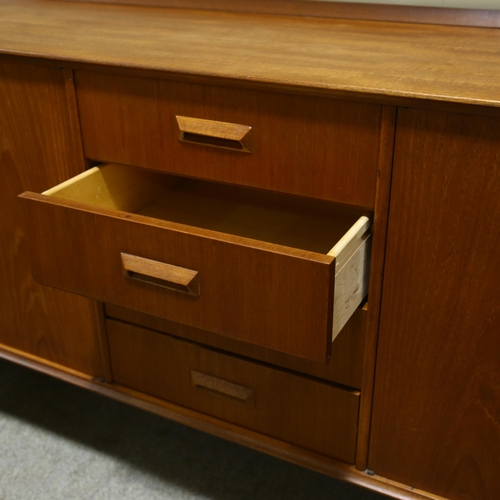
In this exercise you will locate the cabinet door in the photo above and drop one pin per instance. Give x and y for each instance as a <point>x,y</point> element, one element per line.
<point>436,417</point>
<point>39,146</point>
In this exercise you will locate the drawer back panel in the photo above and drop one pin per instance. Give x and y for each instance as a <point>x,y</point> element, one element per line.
<point>304,145</point>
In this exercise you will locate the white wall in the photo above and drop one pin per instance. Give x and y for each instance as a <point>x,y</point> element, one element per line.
<point>465,4</point>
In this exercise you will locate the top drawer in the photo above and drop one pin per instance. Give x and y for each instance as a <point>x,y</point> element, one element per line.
<point>310,146</point>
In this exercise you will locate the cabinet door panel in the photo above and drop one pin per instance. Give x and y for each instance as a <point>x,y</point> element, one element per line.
<point>436,420</point>
<point>38,148</point>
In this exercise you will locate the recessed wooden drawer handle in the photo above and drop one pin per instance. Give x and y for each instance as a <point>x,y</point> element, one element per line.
<point>217,134</point>
<point>223,387</point>
<point>161,274</point>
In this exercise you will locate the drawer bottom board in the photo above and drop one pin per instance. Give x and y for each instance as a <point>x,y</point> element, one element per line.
<point>302,411</point>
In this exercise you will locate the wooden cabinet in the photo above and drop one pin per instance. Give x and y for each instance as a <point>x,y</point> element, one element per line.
<point>295,248</point>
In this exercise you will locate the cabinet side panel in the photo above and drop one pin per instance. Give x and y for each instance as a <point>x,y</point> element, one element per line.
<point>436,416</point>
<point>39,147</point>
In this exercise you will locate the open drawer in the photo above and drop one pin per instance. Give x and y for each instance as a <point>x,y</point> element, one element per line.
<point>273,270</point>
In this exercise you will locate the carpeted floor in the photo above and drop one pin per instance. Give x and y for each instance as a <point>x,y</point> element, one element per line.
<point>58,441</point>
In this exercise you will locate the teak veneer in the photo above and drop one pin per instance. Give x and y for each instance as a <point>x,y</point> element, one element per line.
<point>278,229</point>
<point>274,272</point>
<point>381,62</point>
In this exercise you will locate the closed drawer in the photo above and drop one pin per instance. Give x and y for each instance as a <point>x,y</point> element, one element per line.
<point>274,271</point>
<point>311,146</point>
<point>301,411</point>
<point>345,366</point>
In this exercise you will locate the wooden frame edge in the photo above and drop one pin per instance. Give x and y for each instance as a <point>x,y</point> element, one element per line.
<point>74,116</point>
<point>343,10</point>
<point>465,106</point>
<point>381,215</point>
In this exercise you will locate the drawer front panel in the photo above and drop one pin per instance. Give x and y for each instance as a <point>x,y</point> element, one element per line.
<point>303,145</point>
<point>306,413</point>
<point>345,366</point>
<point>251,291</point>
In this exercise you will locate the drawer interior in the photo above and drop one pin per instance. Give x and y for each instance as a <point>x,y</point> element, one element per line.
<point>305,224</point>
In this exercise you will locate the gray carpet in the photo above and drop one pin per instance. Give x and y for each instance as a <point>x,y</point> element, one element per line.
<point>62,442</point>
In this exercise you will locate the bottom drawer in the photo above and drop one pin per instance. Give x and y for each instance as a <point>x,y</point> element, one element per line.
<point>289,407</point>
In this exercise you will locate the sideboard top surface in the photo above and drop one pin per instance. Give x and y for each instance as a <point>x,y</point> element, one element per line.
<point>385,61</point>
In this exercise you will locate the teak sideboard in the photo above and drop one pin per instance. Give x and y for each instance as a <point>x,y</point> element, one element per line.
<point>280,227</point>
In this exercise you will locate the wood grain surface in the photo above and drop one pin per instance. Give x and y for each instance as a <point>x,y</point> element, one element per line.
<point>264,274</point>
<point>341,10</point>
<point>436,418</point>
<point>212,133</point>
<point>39,146</point>
<point>387,61</point>
<point>270,295</point>
<point>302,145</point>
<point>284,405</point>
<point>174,278</point>
<point>380,220</point>
<point>345,366</point>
